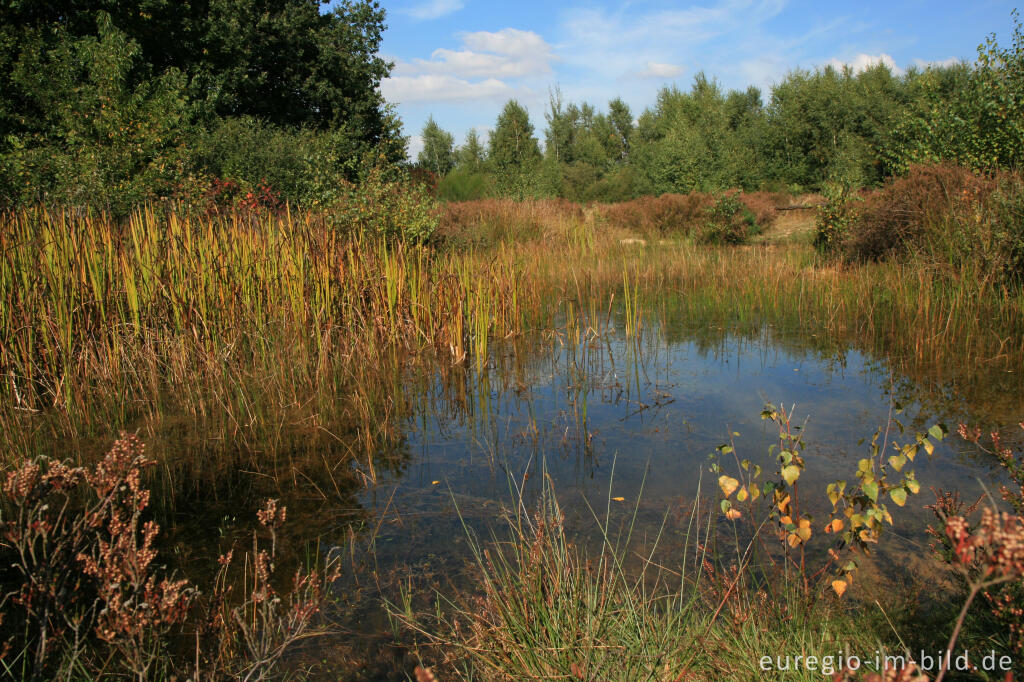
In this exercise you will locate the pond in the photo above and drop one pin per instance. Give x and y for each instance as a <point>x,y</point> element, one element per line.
<point>625,425</point>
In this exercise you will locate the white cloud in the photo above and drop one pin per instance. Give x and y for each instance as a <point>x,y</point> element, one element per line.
<point>433,87</point>
<point>415,146</point>
<point>433,9</point>
<point>508,53</point>
<point>863,62</point>
<point>660,70</point>
<point>481,70</point>
<point>942,63</point>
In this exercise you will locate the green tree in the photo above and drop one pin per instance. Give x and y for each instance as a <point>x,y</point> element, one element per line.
<point>472,155</point>
<point>97,135</point>
<point>513,150</point>
<point>971,116</point>
<point>621,120</point>
<point>438,154</point>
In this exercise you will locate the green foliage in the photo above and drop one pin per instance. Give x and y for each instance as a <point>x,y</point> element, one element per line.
<point>438,154</point>
<point>97,136</point>
<point>463,184</point>
<point>109,105</point>
<point>831,124</point>
<point>473,154</point>
<point>728,222</point>
<point>513,151</point>
<point>386,206</point>
<point>967,115</point>
<point>832,224</point>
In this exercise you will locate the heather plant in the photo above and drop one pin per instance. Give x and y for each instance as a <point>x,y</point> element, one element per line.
<point>83,593</point>
<point>987,552</point>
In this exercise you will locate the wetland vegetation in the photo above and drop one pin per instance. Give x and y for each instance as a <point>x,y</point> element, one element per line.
<point>637,407</point>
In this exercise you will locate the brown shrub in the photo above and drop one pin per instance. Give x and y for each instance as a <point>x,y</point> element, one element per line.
<point>763,205</point>
<point>898,217</point>
<point>484,221</point>
<point>653,216</point>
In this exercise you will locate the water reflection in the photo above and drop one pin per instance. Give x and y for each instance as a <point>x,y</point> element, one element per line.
<point>608,416</point>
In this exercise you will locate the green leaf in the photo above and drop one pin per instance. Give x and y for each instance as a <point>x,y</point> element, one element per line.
<point>912,485</point>
<point>790,474</point>
<point>726,506</point>
<point>938,431</point>
<point>899,496</point>
<point>871,490</point>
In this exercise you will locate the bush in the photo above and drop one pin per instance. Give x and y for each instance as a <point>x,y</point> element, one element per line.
<point>945,215</point>
<point>729,221</point>
<point>657,216</point>
<point>386,204</point>
<point>82,596</point>
<point>465,185</point>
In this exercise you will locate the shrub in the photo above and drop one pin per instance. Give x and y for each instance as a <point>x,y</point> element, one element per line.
<point>83,595</point>
<point>655,216</point>
<point>729,221</point>
<point>945,215</point>
<point>832,224</point>
<point>386,205</point>
<point>465,185</point>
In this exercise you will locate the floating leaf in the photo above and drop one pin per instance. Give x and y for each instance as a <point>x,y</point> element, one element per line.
<point>790,474</point>
<point>899,496</point>
<point>434,482</point>
<point>619,499</point>
<point>839,586</point>
<point>728,484</point>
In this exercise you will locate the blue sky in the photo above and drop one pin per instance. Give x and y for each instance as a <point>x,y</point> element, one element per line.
<point>461,60</point>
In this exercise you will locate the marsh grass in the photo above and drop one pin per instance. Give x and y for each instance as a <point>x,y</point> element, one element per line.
<point>548,608</point>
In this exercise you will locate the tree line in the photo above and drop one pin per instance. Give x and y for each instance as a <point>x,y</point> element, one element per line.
<point>826,127</point>
<point>110,104</point>
<point>113,103</point>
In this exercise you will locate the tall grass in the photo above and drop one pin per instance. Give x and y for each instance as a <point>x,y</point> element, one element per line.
<point>237,321</point>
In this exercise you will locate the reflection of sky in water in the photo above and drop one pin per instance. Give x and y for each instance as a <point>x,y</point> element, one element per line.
<point>655,410</point>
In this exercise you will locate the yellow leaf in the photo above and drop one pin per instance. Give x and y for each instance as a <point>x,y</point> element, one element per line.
<point>834,526</point>
<point>784,504</point>
<point>733,514</point>
<point>728,484</point>
<point>786,519</point>
<point>619,499</point>
<point>839,586</point>
<point>790,474</point>
<point>793,539</point>
<point>434,482</point>
<point>804,530</point>
<point>742,495</point>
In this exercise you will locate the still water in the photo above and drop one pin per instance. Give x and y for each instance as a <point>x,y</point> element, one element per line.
<point>609,416</point>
